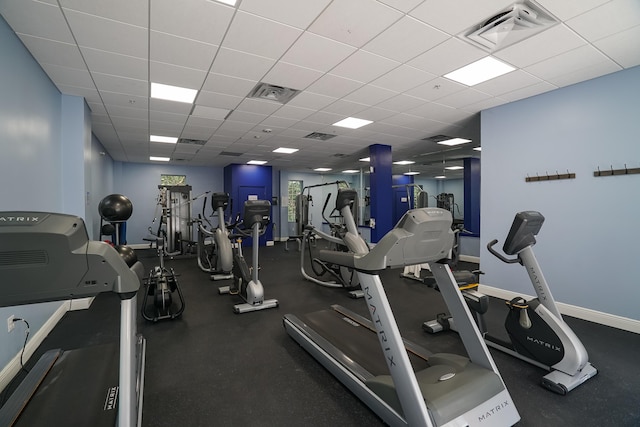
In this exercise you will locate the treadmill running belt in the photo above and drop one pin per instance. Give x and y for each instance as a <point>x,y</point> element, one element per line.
<point>356,341</point>
<point>80,390</point>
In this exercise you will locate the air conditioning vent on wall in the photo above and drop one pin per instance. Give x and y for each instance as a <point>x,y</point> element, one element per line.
<point>509,26</point>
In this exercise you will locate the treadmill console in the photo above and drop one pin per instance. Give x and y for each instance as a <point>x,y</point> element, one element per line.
<point>219,200</point>
<point>256,211</point>
<point>525,227</point>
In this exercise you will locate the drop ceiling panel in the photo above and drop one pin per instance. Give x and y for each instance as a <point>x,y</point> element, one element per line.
<point>69,76</point>
<point>590,72</point>
<point>462,99</point>
<point>402,5</point>
<point>436,89</point>
<point>345,108</point>
<point>552,42</point>
<point>209,112</point>
<point>291,76</point>
<point>363,67</point>
<point>169,106</point>
<point>53,52</point>
<point>90,95</point>
<point>311,101</point>
<point>180,51</point>
<point>162,116</point>
<point>259,106</point>
<point>228,85</point>
<point>241,64</point>
<point>617,47</point>
<point>135,13</point>
<point>528,91</point>
<point>330,85</point>
<point>456,16</point>
<point>344,21</point>
<point>124,85</point>
<point>111,36</point>
<point>317,52</point>
<point>124,100</point>
<point>448,56</point>
<point>116,65</point>
<point>403,78</point>
<point>201,20</point>
<point>296,13</point>
<point>405,39</point>
<point>247,34</point>
<point>20,14</point>
<point>370,95</point>
<point>507,83</point>
<point>400,102</point>
<point>293,112</point>
<point>176,76</point>
<point>120,111</point>
<point>568,62</point>
<point>610,18</point>
<point>568,9</point>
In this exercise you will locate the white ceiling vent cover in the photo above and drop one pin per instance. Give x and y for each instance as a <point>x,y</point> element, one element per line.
<point>273,93</point>
<point>512,25</point>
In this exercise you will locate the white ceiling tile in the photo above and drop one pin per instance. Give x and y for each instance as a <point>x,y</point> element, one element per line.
<point>247,34</point>
<point>111,83</point>
<point>402,5</point>
<point>544,45</point>
<point>455,16</point>
<point>165,128</point>
<point>527,92</point>
<point>567,9</point>
<point>69,76</point>
<point>344,21</point>
<point>218,100</point>
<point>364,66</point>
<point>53,52</point>
<point>20,15</point>
<point>116,65</point>
<point>333,86</point>
<point>438,112</point>
<point>124,100</point>
<point>245,117</point>
<point>90,95</point>
<point>209,112</point>
<point>241,64</point>
<point>622,47</point>
<point>180,51</point>
<point>403,78</point>
<point>608,19</point>
<point>228,85</point>
<point>293,112</point>
<point>273,121</point>
<point>120,111</point>
<point>291,76</point>
<point>129,122</point>
<point>317,52</point>
<point>111,36</point>
<point>346,108</point>
<point>97,109</point>
<point>436,89</point>
<point>324,118</point>
<point>169,106</point>
<point>463,98</point>
<point>446,57</point>
<point>259,106</point>
<point>202,124</point>
<point>291,12</point>
<point>400,102</point>
<point>590,72</point>
<point>376,114</point>
<point>135,13</point>
<point>567,62</point>
<point>405,40</point>
<point>201,20</point>
<point>485,104</point>
<point>176,76</point>
<point>506,83</point>
<point>370,95</point>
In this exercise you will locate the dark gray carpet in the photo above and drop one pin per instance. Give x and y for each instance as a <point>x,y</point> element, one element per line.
<point>214,367</point>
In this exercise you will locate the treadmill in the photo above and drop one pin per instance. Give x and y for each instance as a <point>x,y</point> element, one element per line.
<point>49,257</point>
<point>400,381</point>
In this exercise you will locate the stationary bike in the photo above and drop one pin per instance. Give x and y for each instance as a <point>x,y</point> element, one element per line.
<point>257,214</point>
<point>537,332</point>
<point>161,284</point>
<point>215,258</point>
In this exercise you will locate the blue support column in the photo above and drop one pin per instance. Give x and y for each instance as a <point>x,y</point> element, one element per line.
<point>381,192</point>
<point>472,195</point>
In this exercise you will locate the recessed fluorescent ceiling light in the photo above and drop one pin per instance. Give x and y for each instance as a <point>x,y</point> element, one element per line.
<point>478,148</point>
<point>159,159</point>
<point>365,159</point>
<point>454,141</point>
<point>412,173</point>
<point>350,171</point>
<point>352,123</point>
<point>173,93</point>
<point>440,177</point>
<point>285,150</point>
<point>404,162</point>
<point>167,139</point>
<point>322,169</point>
<point>479,71</point>
<point>454,168</point>
<point>256,162</point>
<point>229,2</point>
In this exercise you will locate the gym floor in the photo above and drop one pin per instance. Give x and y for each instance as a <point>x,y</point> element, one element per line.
<point>212,367</point>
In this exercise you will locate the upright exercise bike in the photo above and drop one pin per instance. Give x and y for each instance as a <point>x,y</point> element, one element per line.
<point>537,332</point>
<point>257,214</point>
<point>216,258</point>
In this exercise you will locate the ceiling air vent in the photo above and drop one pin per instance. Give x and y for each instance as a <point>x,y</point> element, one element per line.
<point>191,141</point>
<point>230,153</point>
<point>509,26</point>
<point>437,138</point>
<point>320,136</point>
<point>273,93</point>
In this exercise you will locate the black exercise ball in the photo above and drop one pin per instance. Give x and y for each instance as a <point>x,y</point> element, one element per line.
<point>115,207</point>
<point>128,254</point>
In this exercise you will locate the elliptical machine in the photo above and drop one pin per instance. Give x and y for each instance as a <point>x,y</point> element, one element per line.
<point>161,284</point>
<point>257,214</point>
<point>343,237</point>
<point>537,332</point>
<point>215,258</point>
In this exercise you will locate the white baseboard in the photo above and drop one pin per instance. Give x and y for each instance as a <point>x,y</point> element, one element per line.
<point>602,318</point>
<point>13,367</point>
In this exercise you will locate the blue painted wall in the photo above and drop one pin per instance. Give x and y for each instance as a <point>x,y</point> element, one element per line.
<point>588,246</point>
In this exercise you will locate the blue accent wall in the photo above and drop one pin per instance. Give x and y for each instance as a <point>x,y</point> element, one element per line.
<point>588,245</point>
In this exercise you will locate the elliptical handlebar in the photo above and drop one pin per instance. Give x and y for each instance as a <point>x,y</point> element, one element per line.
<point>499,255</point>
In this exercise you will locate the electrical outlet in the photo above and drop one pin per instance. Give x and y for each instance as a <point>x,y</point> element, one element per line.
<point>10,323</point>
